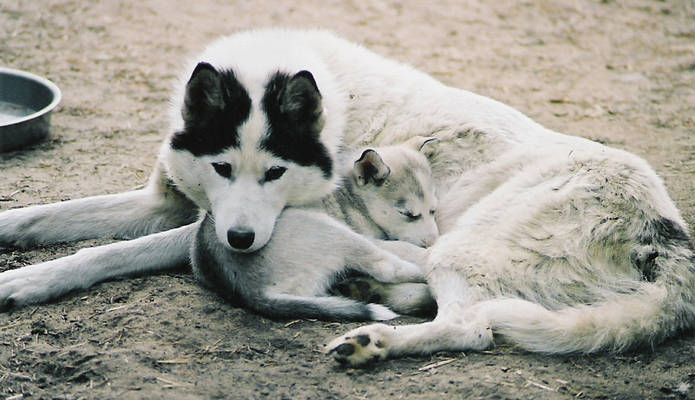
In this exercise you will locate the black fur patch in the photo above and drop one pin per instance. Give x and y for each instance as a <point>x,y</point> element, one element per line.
<point>664,230</point>
<point>670,229</point>
<point>360,288</point>
<point>293,107</point>
<point>215,105</point>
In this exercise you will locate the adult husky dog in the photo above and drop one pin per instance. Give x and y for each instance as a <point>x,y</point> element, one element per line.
<point>560,244</point>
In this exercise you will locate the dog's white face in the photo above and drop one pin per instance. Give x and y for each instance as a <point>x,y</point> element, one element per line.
<point>244,159</point>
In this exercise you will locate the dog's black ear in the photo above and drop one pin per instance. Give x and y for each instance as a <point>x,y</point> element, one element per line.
<point>300,102</point>
<point>203,93</point>
<point>371,168</point>
<point>215,104</point>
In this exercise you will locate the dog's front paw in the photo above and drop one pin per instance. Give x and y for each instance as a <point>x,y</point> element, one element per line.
<point>361,346</point>
<point>15,290</point>
<point>37,283</point>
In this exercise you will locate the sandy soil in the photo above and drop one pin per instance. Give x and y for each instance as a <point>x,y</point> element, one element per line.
<point>622,73</point>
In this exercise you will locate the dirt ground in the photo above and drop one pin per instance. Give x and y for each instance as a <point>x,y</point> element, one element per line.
<point>619,72</point>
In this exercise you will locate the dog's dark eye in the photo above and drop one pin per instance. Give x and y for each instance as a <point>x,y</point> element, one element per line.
<point>274,173</point>
<point>223,168</point>
<point>410,216</point>
<point>432,212</point>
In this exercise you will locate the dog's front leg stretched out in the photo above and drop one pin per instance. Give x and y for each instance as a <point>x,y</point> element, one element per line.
<point>49,280</point>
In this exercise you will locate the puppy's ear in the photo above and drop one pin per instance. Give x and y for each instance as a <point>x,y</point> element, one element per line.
<point>300,102</point>
<point>424,144</point>
<point>371,168</point>
<point>203,93</point>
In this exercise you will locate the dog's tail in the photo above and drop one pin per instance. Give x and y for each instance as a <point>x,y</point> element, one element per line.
<point>657,307</point>
<point>616,325</point>
<point>327,308</point>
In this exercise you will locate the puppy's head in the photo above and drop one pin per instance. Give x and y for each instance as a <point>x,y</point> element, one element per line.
<point>397,190</point>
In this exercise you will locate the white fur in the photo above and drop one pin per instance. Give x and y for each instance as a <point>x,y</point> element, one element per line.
<point>535,225</point>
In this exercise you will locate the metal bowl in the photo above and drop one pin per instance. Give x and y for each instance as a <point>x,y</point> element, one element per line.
<point>26,102</point>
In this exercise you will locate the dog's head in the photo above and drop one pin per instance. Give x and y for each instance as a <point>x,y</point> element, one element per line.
<point>245,152</point>
<point>397,190</point>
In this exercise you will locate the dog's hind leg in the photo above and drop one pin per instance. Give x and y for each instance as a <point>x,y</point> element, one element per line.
<point>49,280</point>
<point>157,207</point>
<point>413,298</point>
<point>403,298</point>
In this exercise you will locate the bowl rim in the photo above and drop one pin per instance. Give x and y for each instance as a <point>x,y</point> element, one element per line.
<point>55,91</point>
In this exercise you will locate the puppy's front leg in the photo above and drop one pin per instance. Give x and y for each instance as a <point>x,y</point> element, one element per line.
<point>383,265</point>
<point>405,250</point>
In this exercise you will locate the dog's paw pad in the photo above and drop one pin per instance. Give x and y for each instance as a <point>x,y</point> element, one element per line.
<point>344,350</point>
<point>359,347</point>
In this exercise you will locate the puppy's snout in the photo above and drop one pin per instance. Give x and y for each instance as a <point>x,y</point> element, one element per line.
<point>429,240</point>
<point>240,239</point>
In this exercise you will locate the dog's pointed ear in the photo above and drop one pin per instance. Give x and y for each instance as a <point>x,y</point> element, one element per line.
<point>423,144</point>
<point>203,93</point>
<point>301,102</point>
<point>370,167</point>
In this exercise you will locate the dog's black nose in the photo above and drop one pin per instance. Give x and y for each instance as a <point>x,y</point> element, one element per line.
<point>240,239</point>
